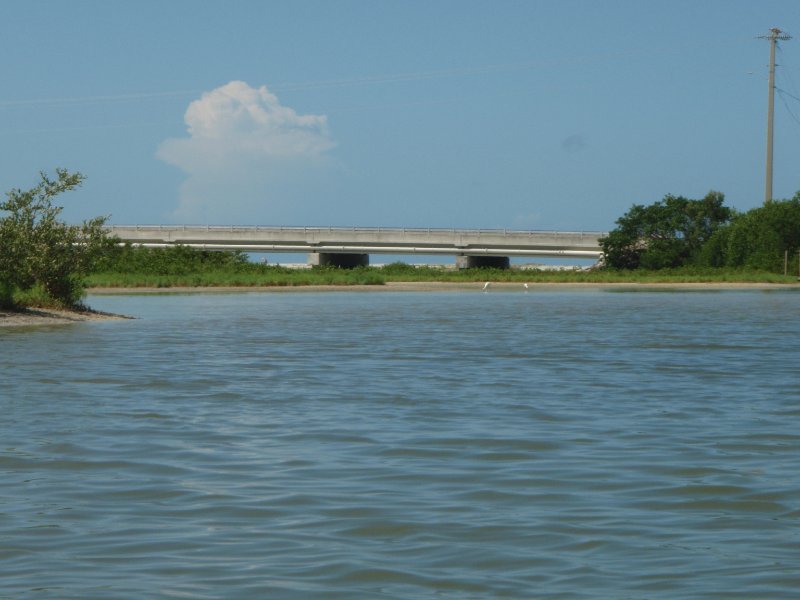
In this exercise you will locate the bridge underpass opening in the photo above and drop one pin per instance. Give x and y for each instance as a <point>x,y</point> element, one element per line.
<point>351,261</point>
<point>483,262</point>
<point>337,259</point>
<point>300,260</point>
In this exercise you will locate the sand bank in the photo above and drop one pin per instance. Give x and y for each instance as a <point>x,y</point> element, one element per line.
<point>435,286</point>
<point>49,316</point>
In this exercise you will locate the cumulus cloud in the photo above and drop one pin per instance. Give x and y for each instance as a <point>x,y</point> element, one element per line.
<point>243,146</point>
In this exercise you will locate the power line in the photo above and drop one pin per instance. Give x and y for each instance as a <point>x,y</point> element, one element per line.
<point>786,75</point>
<point>470,71</point>
<point>786,105</point>
<point>785,93</point>
<point>96,99</point>
<point>387,78</point>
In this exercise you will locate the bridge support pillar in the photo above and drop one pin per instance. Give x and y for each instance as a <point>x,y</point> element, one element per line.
<point>483,262</point>
<point>336,259</point>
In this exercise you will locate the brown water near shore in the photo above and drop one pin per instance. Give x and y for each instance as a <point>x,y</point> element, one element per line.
<point>422,286</point>
<point>48,316</point>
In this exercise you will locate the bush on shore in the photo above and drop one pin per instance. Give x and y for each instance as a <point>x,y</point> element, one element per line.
<point>758,239</point>
<point>666,234</point>
<point>173,260</point>
<point>678,232</point>
<point>40,252</point>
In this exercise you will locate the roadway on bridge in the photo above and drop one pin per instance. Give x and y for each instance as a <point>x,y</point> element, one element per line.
<point>366,240</point>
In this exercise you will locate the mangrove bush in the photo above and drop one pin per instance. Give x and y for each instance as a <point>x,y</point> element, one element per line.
<point>758,239</point>
<point>38,251</point>
<point>666,234</point>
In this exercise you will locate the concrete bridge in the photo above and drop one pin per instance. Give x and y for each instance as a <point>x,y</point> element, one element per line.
<point>351,246</point>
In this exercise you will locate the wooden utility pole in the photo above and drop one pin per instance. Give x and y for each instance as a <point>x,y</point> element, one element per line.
<point>775,34</point>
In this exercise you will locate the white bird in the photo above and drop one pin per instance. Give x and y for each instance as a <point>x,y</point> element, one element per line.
<point>525,285</point>
<point>486,286</point>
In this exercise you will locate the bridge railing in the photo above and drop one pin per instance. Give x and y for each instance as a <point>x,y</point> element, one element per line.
<point>401,230</point>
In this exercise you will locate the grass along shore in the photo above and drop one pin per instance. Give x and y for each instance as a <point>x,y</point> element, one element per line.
<point>274,276</point>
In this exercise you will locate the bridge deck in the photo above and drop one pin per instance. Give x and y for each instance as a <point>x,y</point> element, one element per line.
<point>367,240</point>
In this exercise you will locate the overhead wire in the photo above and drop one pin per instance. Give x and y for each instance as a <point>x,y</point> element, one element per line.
<point>401,77</point>
<point>786,73</point>
<point>786,105</point>
<point>320,84</point>
<point>783,94</point>
<point>76,100</point>
<point>288,87</point>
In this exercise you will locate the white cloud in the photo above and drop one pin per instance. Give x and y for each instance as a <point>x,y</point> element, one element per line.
<point>243,147</point>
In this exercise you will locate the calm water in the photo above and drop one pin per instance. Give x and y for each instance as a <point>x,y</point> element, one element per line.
<point>584,444</point>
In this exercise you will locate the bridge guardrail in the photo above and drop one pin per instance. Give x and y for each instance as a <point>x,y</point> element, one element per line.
<point>402,230</point>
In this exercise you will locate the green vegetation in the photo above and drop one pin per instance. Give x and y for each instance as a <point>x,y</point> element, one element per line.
<point>758,239</point>
<point>400,272</point>
<point>265,276</point>
<point>667,234</point>
<point>677,232</point>
<point>175,260</point>
<point>181,266</point>
<point>43,260</point>
<point>186,267</point>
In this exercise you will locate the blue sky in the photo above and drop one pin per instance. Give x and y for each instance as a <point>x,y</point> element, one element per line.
<point>536,114</point>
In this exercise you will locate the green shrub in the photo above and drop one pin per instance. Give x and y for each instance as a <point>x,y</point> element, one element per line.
<point>759,238</point>
<point>39,250</point>
<point>173,260</point>
<point>6,294</point>
<point>666,234</point>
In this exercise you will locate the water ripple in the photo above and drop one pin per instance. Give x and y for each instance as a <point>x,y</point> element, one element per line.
<point>439,445</point>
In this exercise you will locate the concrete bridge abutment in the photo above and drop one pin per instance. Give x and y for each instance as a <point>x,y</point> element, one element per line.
<point>337,259</point>
<point>483,262</point>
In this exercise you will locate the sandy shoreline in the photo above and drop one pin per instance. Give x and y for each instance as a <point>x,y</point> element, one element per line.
<point>423,286</point>
<point>49,316</point>
<point>60,317</point>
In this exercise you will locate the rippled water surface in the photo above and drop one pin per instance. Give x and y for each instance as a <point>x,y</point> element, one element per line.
<point>581,444</point>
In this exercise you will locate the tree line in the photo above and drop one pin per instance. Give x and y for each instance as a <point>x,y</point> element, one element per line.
<point>678,232</point>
